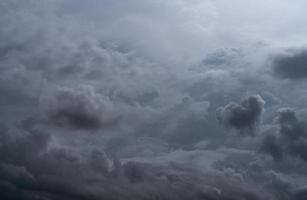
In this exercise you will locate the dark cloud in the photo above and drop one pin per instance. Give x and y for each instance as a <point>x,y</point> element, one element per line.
<point>244,166</point>
<point>81,109</point>
<point>292,65</point>
<point>31,168</point>
<point>122,68</point>
<point>290,138</point>
<point>271,145</point>
<point>300,194</point>
<point>244,116</point>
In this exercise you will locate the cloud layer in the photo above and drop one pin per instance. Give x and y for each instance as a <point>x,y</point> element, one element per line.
<point>135,99</point>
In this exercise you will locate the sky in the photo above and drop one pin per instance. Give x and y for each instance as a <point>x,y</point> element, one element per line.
<point>153,100</point>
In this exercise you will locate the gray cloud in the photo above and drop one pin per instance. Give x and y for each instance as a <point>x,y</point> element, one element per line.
<point>29,169</point>
<point>81,109</point>
<point>290,139</point>
<point>244,116</point>
<point>271,145</point>
<point>291,65</point>
<point>149,75</point>
<point>300,194</point>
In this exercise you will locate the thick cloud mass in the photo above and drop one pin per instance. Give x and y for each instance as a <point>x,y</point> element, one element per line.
<point>292,65</point>
<point>80,109</point>
<point>291,138</point>
<point>104,99</point>
<point>31,169</point>
<point>245,116</point>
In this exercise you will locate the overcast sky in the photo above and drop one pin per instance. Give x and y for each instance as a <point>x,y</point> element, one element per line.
<point>153,99</point>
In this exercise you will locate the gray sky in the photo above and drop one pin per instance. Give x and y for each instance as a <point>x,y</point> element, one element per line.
<point>152,99</point>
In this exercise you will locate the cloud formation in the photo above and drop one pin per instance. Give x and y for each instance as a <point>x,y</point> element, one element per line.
<point>290,139</point>
<point>29,169</point>
<point>291,65</point>
<point>81,108</point>
<point>149,75</point>
<point>244,116</point>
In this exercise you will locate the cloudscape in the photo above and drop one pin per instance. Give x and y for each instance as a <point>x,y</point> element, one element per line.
<point>153,100</point>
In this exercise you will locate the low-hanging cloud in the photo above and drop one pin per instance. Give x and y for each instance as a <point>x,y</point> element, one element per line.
<point>244,116</point>
<point>29,169</point>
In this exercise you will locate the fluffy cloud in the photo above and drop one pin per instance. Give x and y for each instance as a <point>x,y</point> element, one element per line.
<point>149,75</point>
<point>245,116</point>
<point>81,109</point>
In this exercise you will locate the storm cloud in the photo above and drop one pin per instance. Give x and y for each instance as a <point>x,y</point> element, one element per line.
<point>29,169</point>
<point>104,99</point>
<point>244,116</point>
<point>291,65</point>
<point>290,138</point>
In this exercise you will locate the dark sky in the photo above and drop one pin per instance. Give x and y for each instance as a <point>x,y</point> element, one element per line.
<point>153,100</point>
